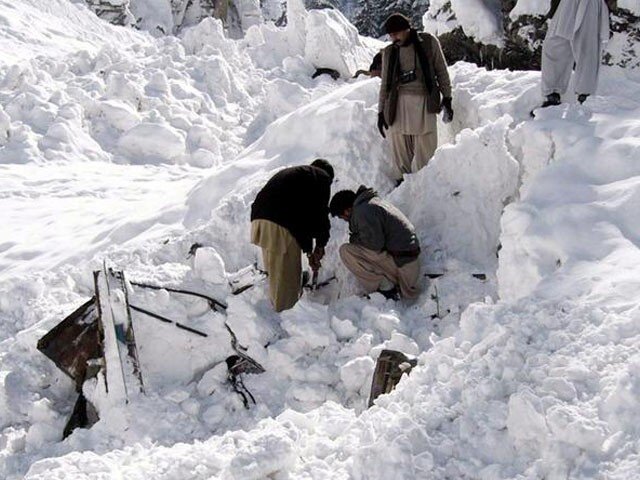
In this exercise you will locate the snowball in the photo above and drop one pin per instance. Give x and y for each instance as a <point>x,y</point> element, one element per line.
<point>209,266</point>
<point>152,141</point>
<point>357,373</point>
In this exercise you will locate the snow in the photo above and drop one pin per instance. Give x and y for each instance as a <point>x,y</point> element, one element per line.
<point>54,28</point>
<point>527,345</point>
<point>632,5</point>
<point>530,7</point>
<point>480,19</point>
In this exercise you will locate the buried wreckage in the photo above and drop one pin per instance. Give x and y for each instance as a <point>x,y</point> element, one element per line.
<point>98,340</point>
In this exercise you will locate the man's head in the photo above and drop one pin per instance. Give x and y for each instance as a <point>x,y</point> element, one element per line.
<point>341,204</point>
<point>323,165</point>
<point>398,27</point>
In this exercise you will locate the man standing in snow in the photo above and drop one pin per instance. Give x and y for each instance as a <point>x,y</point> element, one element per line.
<point>577,30</point>
<point>383,249</point>
<point>414,77</point>
<point>288,213</point>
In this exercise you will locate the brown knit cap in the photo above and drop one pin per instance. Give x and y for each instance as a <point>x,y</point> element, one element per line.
<point>396,22</point>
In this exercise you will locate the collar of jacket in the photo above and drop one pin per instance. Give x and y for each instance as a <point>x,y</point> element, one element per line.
<point>393,73</point>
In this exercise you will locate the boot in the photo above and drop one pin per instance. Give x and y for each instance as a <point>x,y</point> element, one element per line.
<point>552,100</point>
<point>392,294</point>
<point>582,97</point>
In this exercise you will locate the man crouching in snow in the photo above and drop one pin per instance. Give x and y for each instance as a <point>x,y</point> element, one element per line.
<point>383,249</point>
<point>288,213</point>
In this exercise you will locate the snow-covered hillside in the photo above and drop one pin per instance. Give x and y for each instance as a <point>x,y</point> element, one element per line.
<point>131,149</point>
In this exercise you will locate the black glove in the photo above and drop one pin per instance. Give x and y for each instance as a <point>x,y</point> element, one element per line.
<point>447,114</point>
<point>382,124</point>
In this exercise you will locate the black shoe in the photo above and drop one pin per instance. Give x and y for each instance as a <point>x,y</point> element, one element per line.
<point>553,99</point>
<point>392,294</point>
<point>582,97</point>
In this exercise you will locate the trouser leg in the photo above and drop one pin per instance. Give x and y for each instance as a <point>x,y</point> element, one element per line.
<point>408,278</point>
<point>557,63</point>
<point>425,147</point>
<point>402,147</point>
<point>284,270</point>
<point>587,51</point>
<point>369,267</point>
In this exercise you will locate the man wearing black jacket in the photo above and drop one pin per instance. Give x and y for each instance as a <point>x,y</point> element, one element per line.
<point>288,214</point>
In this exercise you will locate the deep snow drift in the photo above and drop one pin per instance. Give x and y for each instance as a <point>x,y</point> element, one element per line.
<point>531,373</point>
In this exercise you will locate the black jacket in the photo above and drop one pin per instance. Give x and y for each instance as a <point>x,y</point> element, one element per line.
<point>297,198</point>
<point>379,226</point>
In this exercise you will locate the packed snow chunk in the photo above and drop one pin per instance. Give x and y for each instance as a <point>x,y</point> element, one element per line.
<point>476,323</point>
<point>309,322</point>
<point>154,17</point>
<point>632,5</point>
<point>438,19</point>
<point>344,329</point>
<point>387,323</point>
<point>480,19</point>
<point>263,455</point>
<point>5,127</point>
<point>526,421</point>
<point>83,465</point>
<point>570,426</point>
<point>204,158</point>
<point>66,139</point>
<point>42,433</point>
<point>531,7</point>
<point>209,33</point>
<point>152,142</point>
<point>209,265</point>
<point>400,343</point>
<point>561,387</point>
<point>621,404</point>
<point>333,42</point>
<point>119,115</point>
<point>357,373</point>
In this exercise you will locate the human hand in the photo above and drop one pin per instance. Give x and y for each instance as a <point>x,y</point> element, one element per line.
<point>382,124</point>
<point>447,110</point>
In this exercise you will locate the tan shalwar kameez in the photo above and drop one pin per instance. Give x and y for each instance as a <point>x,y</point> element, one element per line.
<point>282,258</point>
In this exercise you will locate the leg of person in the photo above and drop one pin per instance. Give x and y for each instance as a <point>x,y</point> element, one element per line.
<point>408,278</point>
<point>557,63</point>
<point>369,267</point>
<point>426,144</point>
<point>587,50</point>
<point>282,261</point>
<point>284,270</point>
<point>402,148</point>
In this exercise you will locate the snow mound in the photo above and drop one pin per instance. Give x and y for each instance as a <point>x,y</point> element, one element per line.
<point>55,27</point>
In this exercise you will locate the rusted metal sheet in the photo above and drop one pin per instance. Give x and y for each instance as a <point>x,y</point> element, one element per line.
<point>84,415</point>
<point>390,367</point>
<point>73,342</point>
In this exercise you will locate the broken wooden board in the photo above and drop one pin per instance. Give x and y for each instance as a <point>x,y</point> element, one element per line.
<point>122,370</point>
